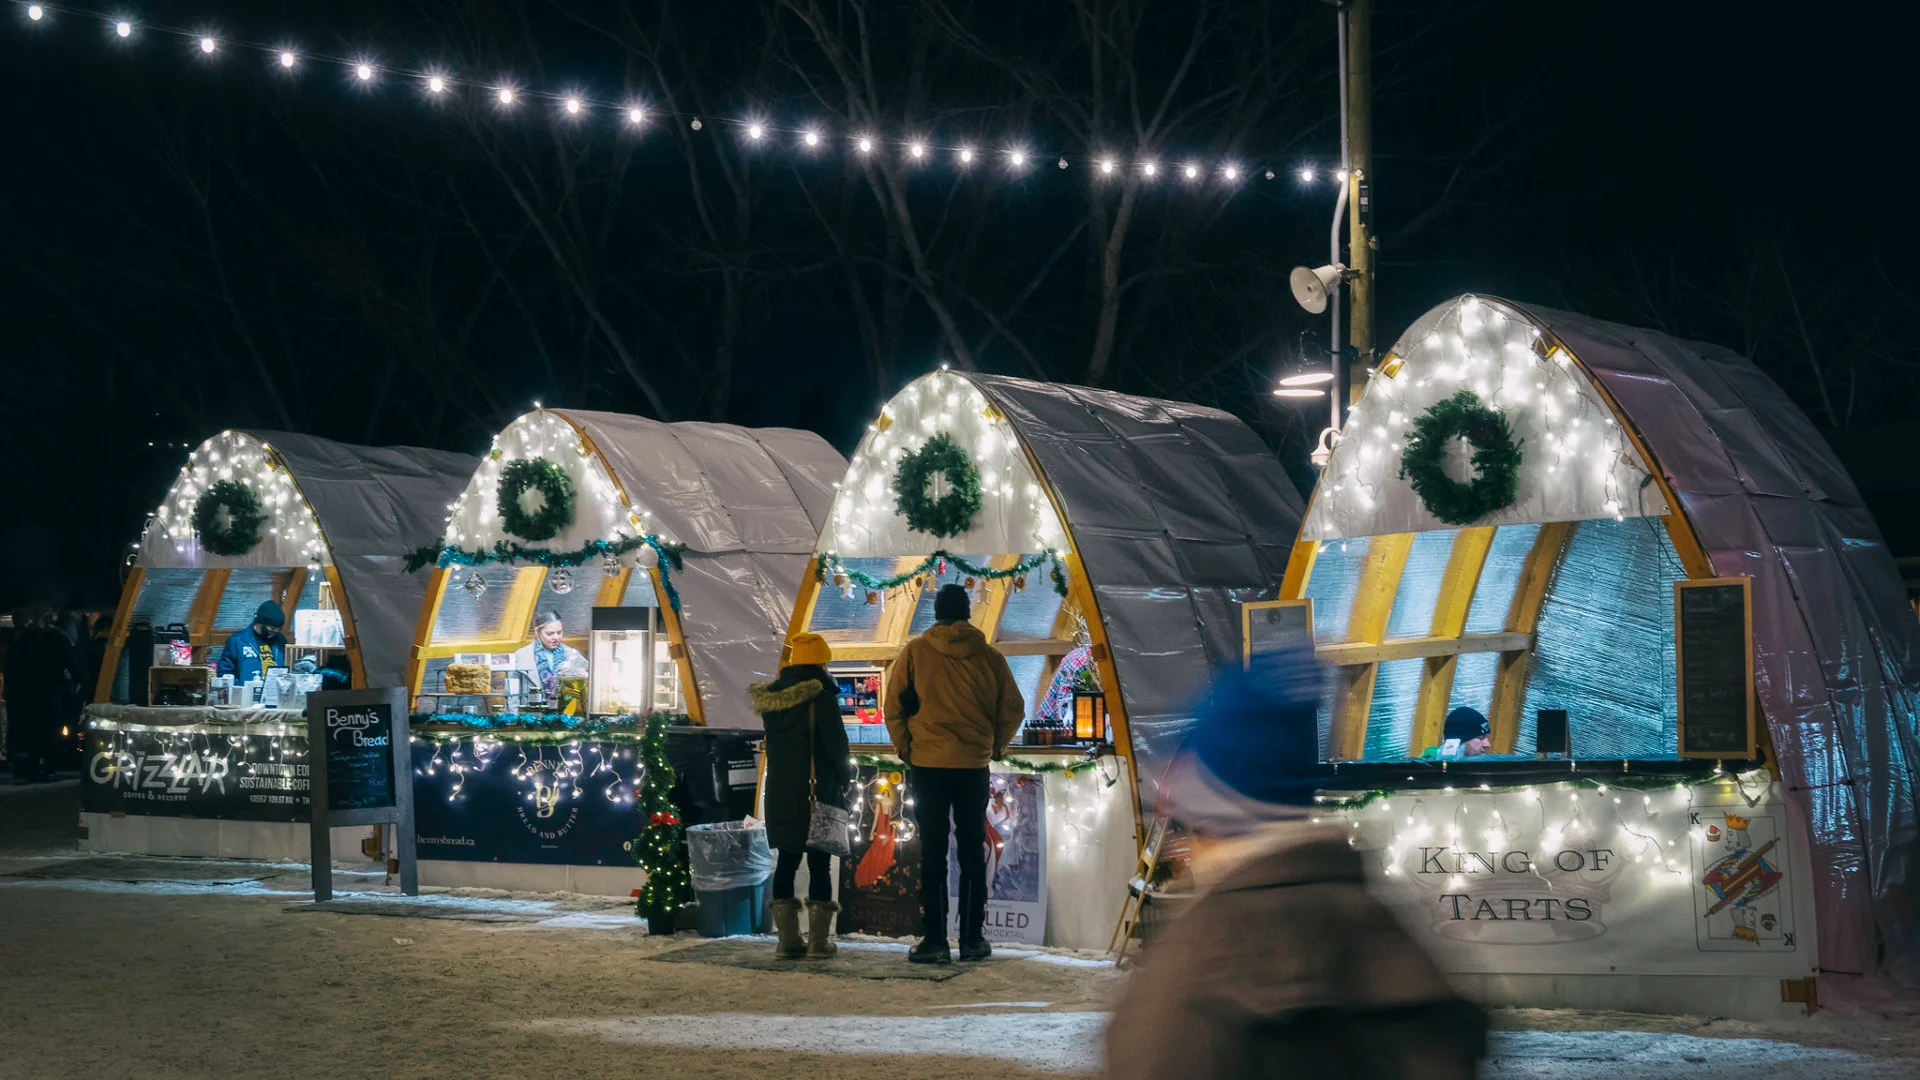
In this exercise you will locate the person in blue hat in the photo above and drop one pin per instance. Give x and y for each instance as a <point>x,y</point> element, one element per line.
<point>1467,731</point>
<point>1284,964</point>
<point>249,654</point>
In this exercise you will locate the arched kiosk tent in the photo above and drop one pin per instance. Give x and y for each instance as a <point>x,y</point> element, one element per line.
<point>330,513</point>
<point>1640,548</point>
<point>596,517</point>
<point>317,526</point>
<point>1111,534</point>
<point>735,509</point>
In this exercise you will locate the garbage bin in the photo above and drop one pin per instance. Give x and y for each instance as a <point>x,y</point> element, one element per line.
<point>732,869</point>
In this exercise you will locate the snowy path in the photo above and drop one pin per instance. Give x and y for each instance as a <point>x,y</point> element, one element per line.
<point>196,968</point>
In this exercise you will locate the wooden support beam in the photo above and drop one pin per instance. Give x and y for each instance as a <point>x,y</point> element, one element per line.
<point>1359,654</point>
<point>1367,623</point>
<point>206,604</point>
<point>437,579</point>
<point>359,681</point>
<point>677,649</point>
<point>1457,584</point>
<point>117,637</point>
<point>1293,585</point>
<point>987,616</point>
<point>289,598</point>
<point>1523,617</point>
<point>1049,647</point>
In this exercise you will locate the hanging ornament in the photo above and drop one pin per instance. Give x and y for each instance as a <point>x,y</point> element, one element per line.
<point>839,579</point>
<point>1020,583</point>
<point>846,592</point>
<point>872,597</point>
<point>646,558</point>
<point>969,583</point>
<point>560,581</point>
<point>475,584</point>
<point>610,564</point>
<point>941,566</point>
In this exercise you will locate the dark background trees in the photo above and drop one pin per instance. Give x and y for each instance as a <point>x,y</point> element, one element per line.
<point>189,244</point>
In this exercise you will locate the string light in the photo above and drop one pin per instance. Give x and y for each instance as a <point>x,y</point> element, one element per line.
<point>1306,176</point>
<point>636,115</point>
<point>811,137</point>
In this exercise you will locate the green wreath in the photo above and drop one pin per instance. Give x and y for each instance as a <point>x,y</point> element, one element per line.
<point>1496,459</point>
<point>950,514</point>
<point>228,517</point>
<point>535,498</point>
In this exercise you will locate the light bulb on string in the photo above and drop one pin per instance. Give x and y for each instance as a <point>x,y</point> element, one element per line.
<point>209,45</point>
<point>865,145</point>
<point>1106,166</point>
<point>966,155</point>
<point>811,138</point>
<point>756,131</point>
<point>505,96</point>
<point>363,71</point>
<point>288,58</point>
<point>436,84</point>
<point>1192,171</point>
<point>1231,173</point>
<point>636,115</point>
<point>123,28</point>
<point>1148,169</point>
<point>1017,158</point>
<point>36,12</point>
<point>572,105</point>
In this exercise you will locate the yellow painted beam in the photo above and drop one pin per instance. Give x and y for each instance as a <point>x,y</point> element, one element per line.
<point>677,648</point>
<point>437,580</point>
<point>117,637</point>
<point>1360,653</point>
<point>1366,624</point>
<point>1299,569</point>
<point>987,617</point>
<point>1523,617</point>
<point>1457,584</point>
<point>341,601</point>
<point>206,604</point>
<point>1049,647</point>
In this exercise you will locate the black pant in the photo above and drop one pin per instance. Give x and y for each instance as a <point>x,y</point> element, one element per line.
<point>819,874</point>
<point>962,795</point>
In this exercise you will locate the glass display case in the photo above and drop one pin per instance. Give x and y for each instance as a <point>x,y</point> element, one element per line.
<point>623,656</point>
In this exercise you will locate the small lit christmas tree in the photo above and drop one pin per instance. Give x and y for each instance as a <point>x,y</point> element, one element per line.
<point>658,848</point>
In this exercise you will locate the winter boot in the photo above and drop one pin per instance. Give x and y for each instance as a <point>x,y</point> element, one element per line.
<point>786,923</point>
<point>931,950</point>
<point>820,915</point>
<point>975,950</point>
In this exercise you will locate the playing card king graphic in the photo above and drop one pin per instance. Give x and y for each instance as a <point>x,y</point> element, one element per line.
<point>1740,896</point>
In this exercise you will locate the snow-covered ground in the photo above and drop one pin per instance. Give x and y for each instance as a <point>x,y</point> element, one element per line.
<point>189,968</point>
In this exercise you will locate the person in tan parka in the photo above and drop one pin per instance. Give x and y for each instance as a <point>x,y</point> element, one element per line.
<point>952,707</point>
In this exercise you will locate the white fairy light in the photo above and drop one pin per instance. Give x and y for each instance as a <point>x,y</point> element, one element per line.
<point>123,28</point>
<point>363,71</point>
<point>1192,171</point>
<point>966,155</point>
<point>1231,172</point>
<point>917,150</point>
<point>288,58</point>
<point>1148,169</point>
<point>811,138</point>
<point>1016,158</point>
<point>36,12</point>
<point>636,115</point>
<point>436,84</point>
<point>1306,176</point>
<point>756,131</point>
<point>505,95</point>
<point>1107,166</point>
<point>572,105</point>
<point>208,45</point>
<point>865,145</point>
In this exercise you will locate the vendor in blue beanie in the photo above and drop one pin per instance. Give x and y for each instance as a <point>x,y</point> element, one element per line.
<point>1284,961</point>
<point>250,653</point>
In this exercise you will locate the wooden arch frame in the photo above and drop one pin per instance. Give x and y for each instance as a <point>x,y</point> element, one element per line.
<point>525,595</point>
<point>1364,646</point>
<point>288,585</point>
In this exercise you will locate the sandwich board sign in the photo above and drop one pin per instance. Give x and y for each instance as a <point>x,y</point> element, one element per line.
<point>362,774</point>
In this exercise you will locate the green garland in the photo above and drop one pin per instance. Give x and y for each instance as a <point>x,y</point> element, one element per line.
<point>952,513</point>
<point>830,563</point>
<point>1496,459</point>
<point>672,556</point>
<point>244,518</point>
<point>556,492</point>
<point>658,848</point>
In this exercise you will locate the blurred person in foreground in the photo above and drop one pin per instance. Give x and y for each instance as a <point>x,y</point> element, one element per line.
<point>1285,965</point>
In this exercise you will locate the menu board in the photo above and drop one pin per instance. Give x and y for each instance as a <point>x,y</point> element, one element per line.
<point>1269,626</point>
<point>358,740</point>
<point>1713,645</point>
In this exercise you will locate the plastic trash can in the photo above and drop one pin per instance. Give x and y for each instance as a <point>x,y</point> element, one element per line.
<point>732,869</point>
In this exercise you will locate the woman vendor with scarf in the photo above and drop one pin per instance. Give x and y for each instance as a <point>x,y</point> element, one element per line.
<point>547,657</point>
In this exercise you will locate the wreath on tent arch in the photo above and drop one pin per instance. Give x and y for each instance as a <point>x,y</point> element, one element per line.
<point>949,514</point>
<point>535,499</point>
<point>228,517</point>
<point>1496,459</point>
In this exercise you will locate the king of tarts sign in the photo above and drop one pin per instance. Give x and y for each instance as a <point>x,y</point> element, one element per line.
<point>1584,877</point>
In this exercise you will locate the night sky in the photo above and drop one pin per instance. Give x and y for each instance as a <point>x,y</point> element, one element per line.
<point>194,242</point>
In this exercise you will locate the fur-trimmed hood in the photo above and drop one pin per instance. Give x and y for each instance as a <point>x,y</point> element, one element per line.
<point>764,698</point>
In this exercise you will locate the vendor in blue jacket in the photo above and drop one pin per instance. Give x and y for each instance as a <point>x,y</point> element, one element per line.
<point>251,652</point>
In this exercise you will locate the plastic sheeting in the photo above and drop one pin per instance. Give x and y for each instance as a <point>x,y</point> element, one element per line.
<point>373,505</point>
<point>749,504</point>
<point>1179,514</point>
<point>1834,640</point>
<point>728,855</point>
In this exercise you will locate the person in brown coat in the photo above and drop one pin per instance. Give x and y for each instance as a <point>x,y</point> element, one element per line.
<point>951,707</point>
<point>806,756</point>
<point>1285,965</point>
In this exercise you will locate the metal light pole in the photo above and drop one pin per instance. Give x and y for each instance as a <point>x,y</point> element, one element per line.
<point>1356,163</point>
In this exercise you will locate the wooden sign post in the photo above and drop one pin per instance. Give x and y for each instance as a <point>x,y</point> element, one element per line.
<point>1713,654</point>
<point>361,765</point>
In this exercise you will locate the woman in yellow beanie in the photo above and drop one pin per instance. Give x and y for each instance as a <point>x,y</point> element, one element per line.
<point>806,756</point>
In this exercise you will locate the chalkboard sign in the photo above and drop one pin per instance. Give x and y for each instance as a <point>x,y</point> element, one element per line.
<point>1713,646</point>
<point>359,750</point>
<point>1269,626</point>
<point>361,774</point>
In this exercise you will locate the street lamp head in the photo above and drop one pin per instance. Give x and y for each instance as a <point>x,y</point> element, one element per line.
<point>1312,288</point>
